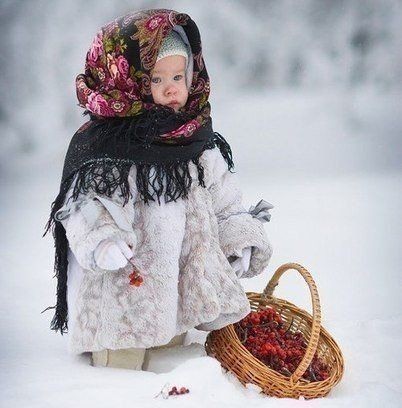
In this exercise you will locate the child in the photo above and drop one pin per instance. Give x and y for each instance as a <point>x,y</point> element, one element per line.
<point>142,269</point>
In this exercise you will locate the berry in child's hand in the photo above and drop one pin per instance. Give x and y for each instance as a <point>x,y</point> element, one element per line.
<point>135,278</point>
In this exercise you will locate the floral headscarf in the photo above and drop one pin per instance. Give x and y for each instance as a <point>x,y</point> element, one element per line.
<point>117,79</point>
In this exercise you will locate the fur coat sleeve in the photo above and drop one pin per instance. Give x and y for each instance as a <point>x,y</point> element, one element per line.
<point>93,218</point>
<point>238,229</point>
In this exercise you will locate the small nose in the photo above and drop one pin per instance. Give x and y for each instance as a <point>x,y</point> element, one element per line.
<point>170,90</point>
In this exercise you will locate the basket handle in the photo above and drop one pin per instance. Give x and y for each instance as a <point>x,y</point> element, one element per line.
<point>316,327</point>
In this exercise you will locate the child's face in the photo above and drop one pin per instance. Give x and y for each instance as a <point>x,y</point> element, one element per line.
<point>168,82</point>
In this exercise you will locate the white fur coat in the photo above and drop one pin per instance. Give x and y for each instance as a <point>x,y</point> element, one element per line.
<point>180,247</point>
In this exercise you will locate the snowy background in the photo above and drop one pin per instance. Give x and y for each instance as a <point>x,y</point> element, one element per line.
<point>309,95</point>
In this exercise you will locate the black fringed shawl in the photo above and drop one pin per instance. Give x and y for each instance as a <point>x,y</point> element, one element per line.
<point>102,151</point>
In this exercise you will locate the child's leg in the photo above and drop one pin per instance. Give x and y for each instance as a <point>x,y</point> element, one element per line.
<point>131,358</point>
<point>99,358</point>
<point>175,341</point>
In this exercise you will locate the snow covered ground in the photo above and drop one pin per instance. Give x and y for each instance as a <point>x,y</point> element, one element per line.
<point>330,164</point>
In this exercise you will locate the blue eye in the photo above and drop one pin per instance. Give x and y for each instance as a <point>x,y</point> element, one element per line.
<point>155,80</point>
<point>178,77</point>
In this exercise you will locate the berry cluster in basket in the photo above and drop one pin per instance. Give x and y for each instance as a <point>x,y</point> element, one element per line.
<point>263,334</point>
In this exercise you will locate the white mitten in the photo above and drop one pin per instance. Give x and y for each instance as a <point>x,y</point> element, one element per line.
<point>237,267</point>
<point>112,254</point>
<point>245,259</point>
<point>241,265</point>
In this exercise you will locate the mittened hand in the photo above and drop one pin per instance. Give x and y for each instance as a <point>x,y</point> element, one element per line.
<point>112,254</point>
<point>245,259</point>
<point>241,265</point>
<point>237,267</point>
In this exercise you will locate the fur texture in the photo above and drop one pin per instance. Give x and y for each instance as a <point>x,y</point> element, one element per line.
<point>180,247</point>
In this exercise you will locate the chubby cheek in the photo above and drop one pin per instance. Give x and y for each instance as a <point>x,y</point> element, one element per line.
<point>185,97</point>
<point>155,95</point>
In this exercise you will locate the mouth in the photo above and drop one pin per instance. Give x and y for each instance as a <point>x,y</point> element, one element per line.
<point>173,104</point>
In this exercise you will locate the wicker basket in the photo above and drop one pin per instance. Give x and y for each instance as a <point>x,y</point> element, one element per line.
<point>226,347</point>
